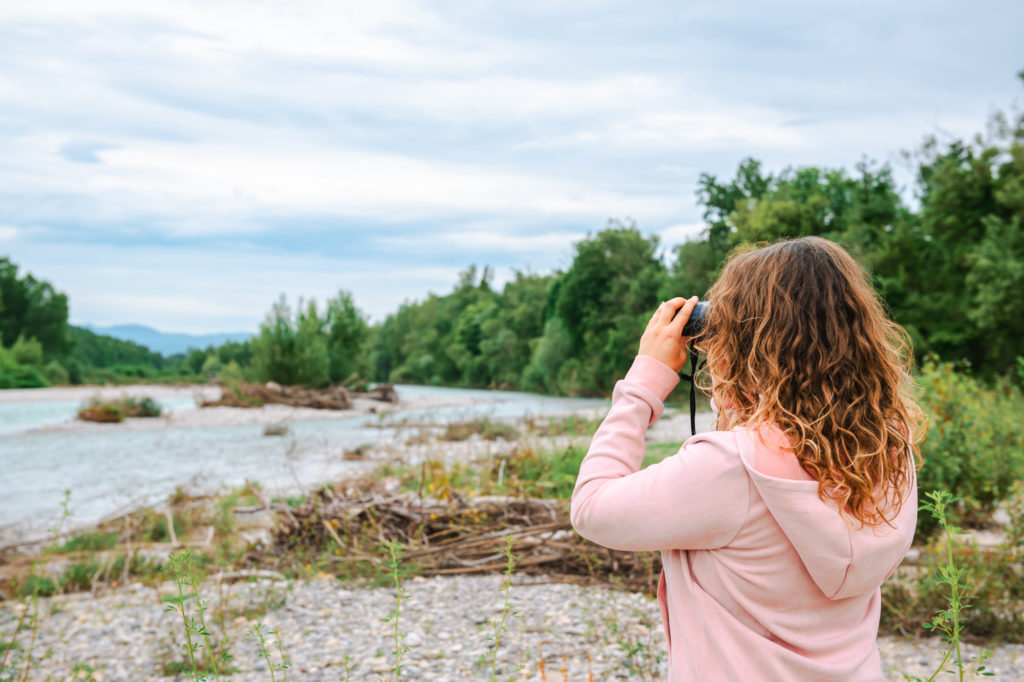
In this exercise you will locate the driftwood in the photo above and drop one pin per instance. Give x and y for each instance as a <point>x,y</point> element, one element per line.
<point>384,393</point>
<point>271,393</point>
<point>458,536</point>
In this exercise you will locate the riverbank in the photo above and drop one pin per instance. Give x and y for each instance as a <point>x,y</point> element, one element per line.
<point>193,416</point>
<point>447,493</point>
<point>112,468</point>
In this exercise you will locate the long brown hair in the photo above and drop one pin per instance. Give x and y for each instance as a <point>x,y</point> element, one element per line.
<point>797,337</point>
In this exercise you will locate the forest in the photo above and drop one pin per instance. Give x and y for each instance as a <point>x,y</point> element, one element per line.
<point>948,261</point>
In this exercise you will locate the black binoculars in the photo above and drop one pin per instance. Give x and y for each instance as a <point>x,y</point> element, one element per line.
<point>695,325</point>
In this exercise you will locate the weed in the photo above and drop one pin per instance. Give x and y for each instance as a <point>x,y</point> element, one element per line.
<point>395,550</point>
<point>185,578</point>
<point>89,542</point>
<point>349,665</point>
<point>949,621</point>
<point>506,588</point>
<point>259,633</point>
<point>488,430</point>
<point>114,411</point>
<point>32,598</point>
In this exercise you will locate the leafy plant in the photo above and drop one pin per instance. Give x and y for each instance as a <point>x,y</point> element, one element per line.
<point>37,584</point>
<point>949,622</point>
<point>195,628</point>
<point>974,447</point>
<point>259,633</point>
<point>506,611</point>
<point>394,558</point>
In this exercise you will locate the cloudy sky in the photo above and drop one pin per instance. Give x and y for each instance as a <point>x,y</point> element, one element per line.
<point>180,164</point>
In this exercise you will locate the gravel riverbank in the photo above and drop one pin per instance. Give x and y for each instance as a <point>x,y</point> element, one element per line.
<point>126,634</point>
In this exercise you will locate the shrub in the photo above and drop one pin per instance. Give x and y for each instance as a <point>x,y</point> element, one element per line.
<point>103,413</point>
<point>13,374</point>
<point>114,411</point>
<point>27,352</point>
<point>487,429</point>
<point>56,374</point>
<point>974,447</point>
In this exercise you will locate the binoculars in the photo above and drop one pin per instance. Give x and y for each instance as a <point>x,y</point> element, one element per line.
<point>695,325</point>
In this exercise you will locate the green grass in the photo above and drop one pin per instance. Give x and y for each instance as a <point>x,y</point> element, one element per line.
<point>659,451</point>
<point>485,428</point>
<point>89,542</point>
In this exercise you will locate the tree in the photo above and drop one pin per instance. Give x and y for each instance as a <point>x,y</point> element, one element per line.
<point>33,309</point>
<point>347,331</point>
<point>292,348</point>
<point>605,299</point>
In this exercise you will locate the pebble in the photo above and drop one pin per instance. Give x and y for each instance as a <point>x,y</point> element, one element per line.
<point>559,631</point>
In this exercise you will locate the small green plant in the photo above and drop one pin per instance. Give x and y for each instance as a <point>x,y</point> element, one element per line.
<point>31,599</point>
<point>349,665</point>
<point>89,542</point>
<point>395,551</point>
<point>188,588</point>
<point>259,633</point>
<point>499,627</point>
<point>115,411</point>
<point>974,447</point>
<point>487,429</point>
<point>949,622</point>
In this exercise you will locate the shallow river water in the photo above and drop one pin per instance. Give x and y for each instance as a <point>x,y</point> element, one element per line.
<point>112,468</point>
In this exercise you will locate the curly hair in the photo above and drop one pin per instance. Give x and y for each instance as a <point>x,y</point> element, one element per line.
<point>797,337</point>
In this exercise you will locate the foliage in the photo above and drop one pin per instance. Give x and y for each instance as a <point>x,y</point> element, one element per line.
<point>485,428</point>
<point>394,552</point>
<point>308,349</point>
<point>259,633</point>
<point>55,374</point>
<point>89,542</point>
<point>974,447</point>
<point>15,375</point>
<point>32,309</point>
<point>954,577</point>
<point>117,410</point>
<point>217,655</point>
<point>506,610</point>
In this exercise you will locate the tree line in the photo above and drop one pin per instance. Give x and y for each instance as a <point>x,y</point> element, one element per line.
<point>950,267</point>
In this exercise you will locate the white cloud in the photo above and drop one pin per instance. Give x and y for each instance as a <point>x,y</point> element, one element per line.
<point>450,132</point>
<point>678,234</point>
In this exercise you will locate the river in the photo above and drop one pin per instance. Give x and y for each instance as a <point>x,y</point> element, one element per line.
<point>110,468</point>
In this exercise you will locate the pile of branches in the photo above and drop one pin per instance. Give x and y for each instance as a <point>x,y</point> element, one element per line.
<point>459,535</point>
<point>272,393</point>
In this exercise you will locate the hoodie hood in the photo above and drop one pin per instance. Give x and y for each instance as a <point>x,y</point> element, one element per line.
<point>843,558</point>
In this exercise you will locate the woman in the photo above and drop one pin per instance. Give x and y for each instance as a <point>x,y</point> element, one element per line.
<point>777,529</point>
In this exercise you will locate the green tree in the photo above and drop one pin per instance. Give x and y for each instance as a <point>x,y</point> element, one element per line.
<point>291,347</point>
<point>347,332</point>
<point>605,299</point>
<point>33,309</point>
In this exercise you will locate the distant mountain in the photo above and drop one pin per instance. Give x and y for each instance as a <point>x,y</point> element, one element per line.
<point>166,343</point>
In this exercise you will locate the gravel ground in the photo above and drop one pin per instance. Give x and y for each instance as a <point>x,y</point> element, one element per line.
<point>127,634</point>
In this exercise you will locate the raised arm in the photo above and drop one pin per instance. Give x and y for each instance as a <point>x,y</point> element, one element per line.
<point>696,499</point>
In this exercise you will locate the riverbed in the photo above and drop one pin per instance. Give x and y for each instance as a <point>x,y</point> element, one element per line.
<point>110,468</point>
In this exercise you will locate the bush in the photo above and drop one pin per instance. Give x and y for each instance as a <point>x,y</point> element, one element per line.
<point>974,447</point>
<point>114,411</point>
<point>56,374</point>
<point>488,430</point>
<point>16,375</point>
<point>27,352</point>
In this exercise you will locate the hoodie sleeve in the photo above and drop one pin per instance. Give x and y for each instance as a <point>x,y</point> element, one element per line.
<point>695,499</point>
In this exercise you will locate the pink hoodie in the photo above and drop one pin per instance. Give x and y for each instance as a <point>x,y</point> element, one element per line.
<point>762,580</point>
